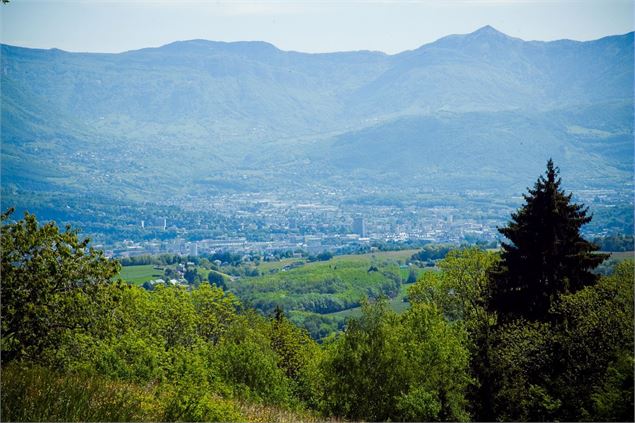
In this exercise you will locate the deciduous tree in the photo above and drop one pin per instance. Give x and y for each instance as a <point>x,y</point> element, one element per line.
<point>49,281</point>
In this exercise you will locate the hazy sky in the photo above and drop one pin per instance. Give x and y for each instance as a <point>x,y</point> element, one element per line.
<point>311,26</point>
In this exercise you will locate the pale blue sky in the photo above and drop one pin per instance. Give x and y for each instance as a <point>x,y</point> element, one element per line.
<point>302,25</point>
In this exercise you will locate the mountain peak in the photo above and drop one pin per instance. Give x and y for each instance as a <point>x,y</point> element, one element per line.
<point>486,35</point>
<point>488,31</point>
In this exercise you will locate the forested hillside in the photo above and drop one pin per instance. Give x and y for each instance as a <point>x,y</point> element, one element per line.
<point>528,333</point>
<point>176,118</point>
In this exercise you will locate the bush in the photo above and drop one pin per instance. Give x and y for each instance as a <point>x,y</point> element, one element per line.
<point>247,362</point>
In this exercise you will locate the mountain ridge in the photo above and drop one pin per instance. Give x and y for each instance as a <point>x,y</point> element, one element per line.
<point>486,30</point>
<point>152,122</point>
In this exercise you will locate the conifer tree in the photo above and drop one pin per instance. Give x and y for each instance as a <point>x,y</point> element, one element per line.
<point>546,255</point>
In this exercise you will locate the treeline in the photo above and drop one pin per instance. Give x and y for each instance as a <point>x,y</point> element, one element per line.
<point>432,252</point>
<point>169,259</point>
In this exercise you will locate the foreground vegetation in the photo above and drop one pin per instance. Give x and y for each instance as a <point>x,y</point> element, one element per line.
<point>78,346</point>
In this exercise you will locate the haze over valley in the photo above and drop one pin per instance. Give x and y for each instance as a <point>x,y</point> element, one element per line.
<point>243,140</point>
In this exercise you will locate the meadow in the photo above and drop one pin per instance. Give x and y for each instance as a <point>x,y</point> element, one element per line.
<point>137,275</point>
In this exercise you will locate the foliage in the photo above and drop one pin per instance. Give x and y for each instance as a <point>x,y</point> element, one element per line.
<point>462,287</point>
<point>432,252</point>
<point>616,242</point>
<point>387,367</point>
<point>246,360</point>
<point>522,363</point>
<point>575,368</point>
<point>192,276</point>
<point>595,336</point>
<point>412,276</point>
<point>546,256</point>
<point>215,278</point>
<point>613,399</point>
<point>298,356</point>
<point>462,291</point>
<point>51,282</point>
<point>191,404</point>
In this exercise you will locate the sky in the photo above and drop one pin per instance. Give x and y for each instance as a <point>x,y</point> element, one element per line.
<point>390,26</point>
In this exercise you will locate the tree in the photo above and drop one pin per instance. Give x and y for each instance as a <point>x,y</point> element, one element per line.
<point>297,354</point>
<point>461,291</point>
<point>50,280</point>
<point>216,279</point>
<point>215,310</point>
<point>412,276</point>
<point>577,368</point>
<point>325,256</point>
<point>546,256</point>
<point>191,276</point>
<point>595,349</point>
<point>412,367</point>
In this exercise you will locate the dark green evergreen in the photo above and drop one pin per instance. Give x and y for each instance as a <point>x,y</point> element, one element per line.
<point>217,279</point>
<point>546,255</point>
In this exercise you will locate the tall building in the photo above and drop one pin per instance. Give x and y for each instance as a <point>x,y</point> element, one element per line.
<point>194,249</point>
<point>165,224</point>
<point>359,226</point>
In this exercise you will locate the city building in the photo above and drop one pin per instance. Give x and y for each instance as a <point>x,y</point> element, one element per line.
<point>359,226</point>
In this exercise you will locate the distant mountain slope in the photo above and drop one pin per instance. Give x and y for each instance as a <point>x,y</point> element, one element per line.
<point>487,70</point>
<point>196,115</point>
<point>491,148</point>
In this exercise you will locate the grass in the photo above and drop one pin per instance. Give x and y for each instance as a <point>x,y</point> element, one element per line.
<point>137,275</point>
<point>396,304</point>
<point>34,393</point>
<point>254,412</point>
<point>39,394</point>
<point>401,255</point>
<point>266,266</point>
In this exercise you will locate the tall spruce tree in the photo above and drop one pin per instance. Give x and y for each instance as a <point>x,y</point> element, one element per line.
<point>546,256</point>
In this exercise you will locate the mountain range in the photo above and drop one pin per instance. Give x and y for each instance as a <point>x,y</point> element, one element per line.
<point>475,111</point>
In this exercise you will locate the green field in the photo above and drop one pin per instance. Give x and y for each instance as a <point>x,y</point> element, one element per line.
<point>322,295</point>
<point>398,256</point>
<point>321,287</point>
<point>268,266</point>
<point>397,304</point>
<point>137,275</point>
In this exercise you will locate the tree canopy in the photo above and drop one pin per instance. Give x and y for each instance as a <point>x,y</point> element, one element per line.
<point>546,255</point>
<point>49,279</point>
